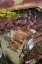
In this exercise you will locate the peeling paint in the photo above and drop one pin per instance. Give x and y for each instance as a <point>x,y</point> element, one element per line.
<point>17,2</point>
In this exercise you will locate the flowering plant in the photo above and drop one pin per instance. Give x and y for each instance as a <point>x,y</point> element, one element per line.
<point>18,18</point>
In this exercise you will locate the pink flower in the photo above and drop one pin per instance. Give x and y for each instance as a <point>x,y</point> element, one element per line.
<point>25,21</point>
<point>8,46</point>
<point>2,25</point>
<point>8,26</point>
<point>9,20</point>
<point>34,27</point>
<point>31,23</point>
<point>28,17</point>
<point>12,25</point>
<point>28,26</point>
<point>21,22</point>
<point>7,30</point>
<point>29,12</point>
<point>0,32</point>
<point>34,21</point>
<point>25,15</point>
<point>35,17</point>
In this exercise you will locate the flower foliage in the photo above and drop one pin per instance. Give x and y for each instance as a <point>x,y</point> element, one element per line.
<point>17,18</point>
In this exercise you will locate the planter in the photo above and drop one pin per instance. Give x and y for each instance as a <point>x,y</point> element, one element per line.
<point>11,55</point>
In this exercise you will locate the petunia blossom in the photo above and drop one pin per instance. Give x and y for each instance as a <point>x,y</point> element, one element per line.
<point>28,26</point>
<point>25,15</point>
<point>9,26</point>
<point>9,20</point>
<point>2,25</point>
<point>34,27</point>
<point>8,46</point>
<point>31,23</point>
<point>6,30</point>
<point>34,21</point>
<point>29,17</point>
<point>21,22</point>
<point>29,12</point>
<point>12,25</point>
<point>25,21</point>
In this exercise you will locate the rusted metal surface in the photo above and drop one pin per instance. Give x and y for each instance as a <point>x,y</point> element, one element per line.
<point>18,4</point>
<point>6,3</point>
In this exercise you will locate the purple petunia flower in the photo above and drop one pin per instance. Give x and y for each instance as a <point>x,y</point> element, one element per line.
<point>31,23</point>
<point>10,41</point>
<point>2,25</point>
<point>25,21</point>
<point>29,12</point>
<point>28,26</point>
<point>8,46</point>
<point>7,30</point>
<point>12,25</point>
<point>34,27</point>
<point>34,21</point>
<point>21,22</point>
<point>29,17</point>
<point>9,20</point>
<point>35,17</point>
<point>25,15</point>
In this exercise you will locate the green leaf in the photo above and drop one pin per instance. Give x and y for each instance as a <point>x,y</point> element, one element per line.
<point>3,10</point>
<point>4,62</point>
<point>2,15</point>
<point>13,13</point>
<point>8,12</point>
<point>9,16</point>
